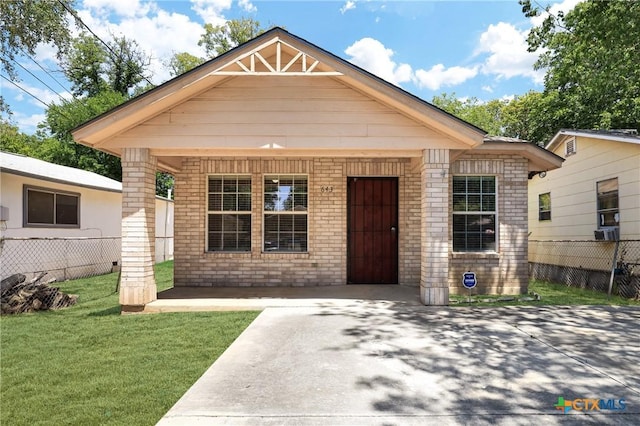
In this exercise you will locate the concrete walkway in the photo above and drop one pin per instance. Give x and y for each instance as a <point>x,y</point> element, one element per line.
<point>385,363</point>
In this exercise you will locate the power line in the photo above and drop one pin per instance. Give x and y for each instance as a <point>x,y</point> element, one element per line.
<point>77,18</point>
<point>46,71</point>
<point>27,92</point>
<point>38,78</point>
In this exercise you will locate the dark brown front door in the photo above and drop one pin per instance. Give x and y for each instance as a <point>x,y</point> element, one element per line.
<point>372,231</point>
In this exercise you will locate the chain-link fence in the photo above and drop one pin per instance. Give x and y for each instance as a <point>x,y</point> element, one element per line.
<point>62,258</point>
<point>29,265</point>
<point>588,264</point>
<point>67,258</point>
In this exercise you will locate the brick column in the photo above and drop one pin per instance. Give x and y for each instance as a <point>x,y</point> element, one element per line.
<point>434,234</point>
<point>137,281</point>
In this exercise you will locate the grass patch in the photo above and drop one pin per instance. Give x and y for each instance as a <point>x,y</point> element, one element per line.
<point>551,294</point>
<point>90,365</point>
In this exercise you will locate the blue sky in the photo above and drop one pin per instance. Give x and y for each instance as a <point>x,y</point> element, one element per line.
<point>470,48</point>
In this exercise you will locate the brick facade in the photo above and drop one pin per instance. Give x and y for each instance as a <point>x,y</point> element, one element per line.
<point>424,226</point>
<point>506,271</point>
<point>325,262</point>
<point>137,282</point>
<point>435,230</point>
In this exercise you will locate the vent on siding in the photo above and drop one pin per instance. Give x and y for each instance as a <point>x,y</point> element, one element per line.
<point>570,147</point>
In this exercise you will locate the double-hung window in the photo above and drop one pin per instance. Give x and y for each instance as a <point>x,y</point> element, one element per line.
<point>286,203</point>
<point>544,206</point>
<point>229,213</point>
<point>608,210</point>
<point>51,208</point>
<point>474,213</point>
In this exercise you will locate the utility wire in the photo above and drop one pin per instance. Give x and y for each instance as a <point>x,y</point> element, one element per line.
<point>77,18</point>
<point>27,92</point>
<point>38,78</point>
<point>46,71</point>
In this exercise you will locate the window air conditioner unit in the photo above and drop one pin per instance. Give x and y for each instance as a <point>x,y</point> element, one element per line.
<point>607,234</point>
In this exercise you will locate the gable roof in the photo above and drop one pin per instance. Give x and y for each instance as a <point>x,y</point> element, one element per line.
<point>627,136</point>
<point>31,167</point>
<point>275,52</point>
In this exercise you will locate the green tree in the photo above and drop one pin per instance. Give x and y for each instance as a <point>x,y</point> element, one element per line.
<point>591,57</point>
<point>92,67</point>
<point>183,62</point>
<point>25,24</point>
<point>13,140</point>
<point>222,38</point>
<point>61,119</point>
<point>102,77</point>
<point>127,64</point>
<point>485,115</point>
<point>533,116</point>
<point>164,183</point>
<point>84,66</point>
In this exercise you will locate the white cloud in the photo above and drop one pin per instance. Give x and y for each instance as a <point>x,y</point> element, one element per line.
<point>506,47</point>
<point>27,123</point>
<point>564,6</point>
<point>211,10</point>
<point>154,34</point>
<point>128,8</point>
<point>350,4</point>
<point>247,6</point>
<point>487,89</point>
<point>46,52</point>
<point>507,98</point>
<point>439,76</point>
<point>371,55</point>
<point>508,57</point>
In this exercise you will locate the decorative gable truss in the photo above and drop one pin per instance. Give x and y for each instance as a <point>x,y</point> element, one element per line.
<point>276,57</point>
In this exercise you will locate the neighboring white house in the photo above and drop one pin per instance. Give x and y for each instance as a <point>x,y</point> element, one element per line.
<point>65,220</point>
<point>576,212</point>
<point>597,187</point>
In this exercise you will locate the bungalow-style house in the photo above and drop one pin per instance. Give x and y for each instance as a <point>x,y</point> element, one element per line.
<point>42,203</point>
<point>294,167</point>
<point>594,197</point>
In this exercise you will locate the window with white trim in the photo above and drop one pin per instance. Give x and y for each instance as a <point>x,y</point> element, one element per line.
<point>286,203</point>
<point>51,208</point>
<point>474,213</point>
<point>229,213</point>
<point>544,206</point>
<point>608,210</point>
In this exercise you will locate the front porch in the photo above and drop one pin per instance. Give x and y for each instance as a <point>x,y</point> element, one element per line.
<point>200,299</point>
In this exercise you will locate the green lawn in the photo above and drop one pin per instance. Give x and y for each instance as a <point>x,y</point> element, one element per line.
<point>551,294</point>
<point>90,365</point>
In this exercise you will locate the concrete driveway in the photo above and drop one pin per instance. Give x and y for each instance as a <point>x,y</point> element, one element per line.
<point>383,363</point>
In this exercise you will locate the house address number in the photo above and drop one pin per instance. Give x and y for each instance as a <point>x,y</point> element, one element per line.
<point>324,189</point>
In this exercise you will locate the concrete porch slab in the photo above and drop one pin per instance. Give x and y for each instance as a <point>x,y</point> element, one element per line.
<point>198,299</point>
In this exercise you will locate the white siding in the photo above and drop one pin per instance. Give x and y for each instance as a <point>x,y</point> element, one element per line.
<point>100,211</point>
<point>573,190</point>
